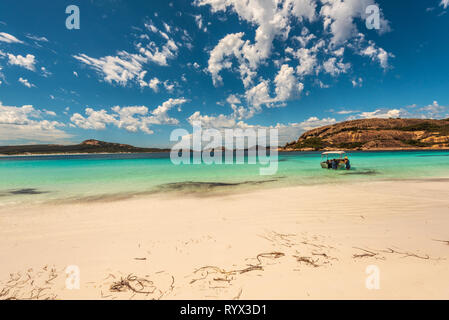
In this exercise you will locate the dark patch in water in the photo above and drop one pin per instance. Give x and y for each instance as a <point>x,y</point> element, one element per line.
<point>194,186</point>
<point>26,191</point>
<point>186,187</point>
<point>367,172</point>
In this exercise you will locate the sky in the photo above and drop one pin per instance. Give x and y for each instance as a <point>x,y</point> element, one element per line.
<point>134,71</point>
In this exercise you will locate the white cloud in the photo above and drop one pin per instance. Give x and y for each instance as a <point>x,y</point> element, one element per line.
<point>307,61</point>
<point>8,38</point>
<point>339,16</point>
<point>159,56</point>
<point>382,113</point>
<point>160,114</point>
<point>168,86</point>
<point>36,38</point>
<point>199,22</point>
<point>151,27</point>
<point>358,82</point>
<point>50,113</point>
<point>128,67</point>
<point>286,132</point>
<point>444,3</point>
<point>154,84</point>
<point>26,83</point>
<point>259,94</point>
<point>27,123</point>
<point>217,122</point>
<point>346,111</point>
<point>292,131</point>
<point>120,69</point>
<point>96,120</point>
<point>378,54</point>
<point>233,99</point>
<point>309,124</point>
<point>287,86</point>
<point>27,62</point>
<point>272,18</point>
<point>131,118</point>
<point>219,56</point>
<point>434,111</point>
<point>127,121</point>
<point>45,72</point>
<point>334,67</point>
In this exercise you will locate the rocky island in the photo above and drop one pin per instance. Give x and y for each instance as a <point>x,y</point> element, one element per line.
<point>87,146</point>
<point>375,134</point>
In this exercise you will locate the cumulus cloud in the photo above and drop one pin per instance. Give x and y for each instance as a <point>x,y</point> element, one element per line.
<point>292,131</point>
<point>96,120</point>
<point>307,55</point>
<point>130,118</point>
<point>287,85</point>
<point>27,62</point>
<point>307,61</point>
<point>154,84</point>
<point>334,67</point>
<point>434,111</point>
<point>273,19</point>
<point>8,38</point>
<point>378,54</point>
<point>219,58</point>
<point>28,124</point>
<point>286,132</point>
<point>338,17</point>
<point>444,3</point>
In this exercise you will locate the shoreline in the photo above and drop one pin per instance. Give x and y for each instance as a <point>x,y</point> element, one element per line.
<point>75,154</point>
<point>286,243</point>
<point>221,190</point>
<point>367,150</point>
<point>279,150</point>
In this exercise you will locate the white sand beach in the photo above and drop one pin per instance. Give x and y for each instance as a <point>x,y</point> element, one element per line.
<point>309,242</point>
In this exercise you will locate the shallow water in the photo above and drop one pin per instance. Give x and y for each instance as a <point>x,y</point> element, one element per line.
<point>93,177</point>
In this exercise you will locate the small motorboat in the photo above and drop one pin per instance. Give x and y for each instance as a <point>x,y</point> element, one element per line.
<point>338,156</point>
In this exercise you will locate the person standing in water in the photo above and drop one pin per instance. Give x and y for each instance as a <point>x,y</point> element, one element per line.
<point>347,163</point>
<point>334,164</point>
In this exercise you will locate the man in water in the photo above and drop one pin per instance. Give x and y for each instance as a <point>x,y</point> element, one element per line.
<point>334,164</point>
<point>347,163</point>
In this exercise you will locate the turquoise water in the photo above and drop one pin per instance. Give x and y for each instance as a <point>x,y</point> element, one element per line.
<point>89,177</point>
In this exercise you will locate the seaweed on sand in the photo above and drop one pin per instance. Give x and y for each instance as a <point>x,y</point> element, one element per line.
<point>227,276</point>
<point>134,284</point>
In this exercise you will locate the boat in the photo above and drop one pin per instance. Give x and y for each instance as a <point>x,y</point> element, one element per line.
<point>339,156</point>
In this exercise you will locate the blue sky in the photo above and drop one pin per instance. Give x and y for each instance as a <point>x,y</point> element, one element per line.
<point>136,70</point>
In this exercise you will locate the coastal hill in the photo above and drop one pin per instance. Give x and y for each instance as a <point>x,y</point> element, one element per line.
<point>88,146</point>
<point>376,134</point>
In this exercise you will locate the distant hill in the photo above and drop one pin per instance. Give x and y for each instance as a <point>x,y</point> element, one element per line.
<point>376,134</point>
<point>88,146</point>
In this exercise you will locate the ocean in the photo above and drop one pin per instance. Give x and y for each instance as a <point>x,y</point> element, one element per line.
<point>100,177</point>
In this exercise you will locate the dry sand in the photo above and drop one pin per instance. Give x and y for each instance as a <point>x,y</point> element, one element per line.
<point>311,242</point>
